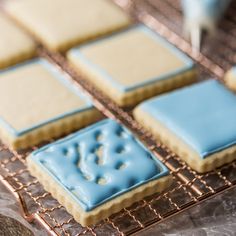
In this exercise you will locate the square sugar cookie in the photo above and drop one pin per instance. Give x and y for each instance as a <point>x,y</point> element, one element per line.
<point>61,24</point>
<point>38,103</point>
<point>98,171</point>
<point>197,123</point>
<point>15,44</point>
<point>133,65</point>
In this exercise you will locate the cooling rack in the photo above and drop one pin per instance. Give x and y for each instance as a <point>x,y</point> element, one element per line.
<point>188,188</point>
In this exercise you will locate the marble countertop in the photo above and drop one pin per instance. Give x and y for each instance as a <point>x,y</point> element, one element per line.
<point>214,217</point>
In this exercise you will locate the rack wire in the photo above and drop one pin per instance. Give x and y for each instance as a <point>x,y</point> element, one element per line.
<point>188,189</point>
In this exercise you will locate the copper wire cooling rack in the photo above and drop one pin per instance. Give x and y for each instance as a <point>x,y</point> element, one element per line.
<point>188,188</point>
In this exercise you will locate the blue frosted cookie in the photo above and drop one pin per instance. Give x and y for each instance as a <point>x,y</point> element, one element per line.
<point>98,171</point>
<point>133,65</point>
<point>197,122</point>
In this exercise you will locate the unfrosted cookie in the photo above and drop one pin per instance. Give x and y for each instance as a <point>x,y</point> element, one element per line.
<point>60,24</point>
<point>98,171</point>
<point>38,103</point>
<point>15,44</point>
<point>198,123</point>
<point>230,78</point>
<point>133,65</point>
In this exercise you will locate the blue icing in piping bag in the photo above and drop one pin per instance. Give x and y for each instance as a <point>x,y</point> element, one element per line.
<point>202,15</point>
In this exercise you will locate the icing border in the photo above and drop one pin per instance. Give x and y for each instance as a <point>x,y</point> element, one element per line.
<point>61,78</point>
<point>189,64</point>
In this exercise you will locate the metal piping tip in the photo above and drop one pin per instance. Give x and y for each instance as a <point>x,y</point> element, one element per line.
<point>195,37</point>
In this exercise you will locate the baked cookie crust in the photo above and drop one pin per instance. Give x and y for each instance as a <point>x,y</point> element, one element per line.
<point>133,65</point>
<point>15,45</point>
<point>61,24</point>
<point>204,141</point>
<point>95,184</point>
<point>37,103</point>
<point>230,78</point>
<point>186,153</point>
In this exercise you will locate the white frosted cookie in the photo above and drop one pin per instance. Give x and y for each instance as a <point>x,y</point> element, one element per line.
<point>98,171</point>
<point>230,78</point>
<point>133,65</point>
<point>15,44</point>
<point>38,103</point>
<point>60,24</point>
<point>197,123</point>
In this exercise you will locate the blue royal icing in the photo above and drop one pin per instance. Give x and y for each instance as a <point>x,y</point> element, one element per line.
<point>187,61</point>
<point>202,115</point>
<point>74,163</point>
<point>57,75</point>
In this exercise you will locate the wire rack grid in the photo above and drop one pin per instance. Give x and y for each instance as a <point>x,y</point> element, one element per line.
<point>188,188</point>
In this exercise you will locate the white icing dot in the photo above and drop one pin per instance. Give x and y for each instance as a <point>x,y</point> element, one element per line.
<point>99,152</point>
<point>121,166</point>
<point>121,133</point>
<point>99,136</point>
<point>87,177</point>
<point>101,181</point>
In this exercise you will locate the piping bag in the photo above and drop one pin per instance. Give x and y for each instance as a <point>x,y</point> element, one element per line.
<point>202,15</point>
